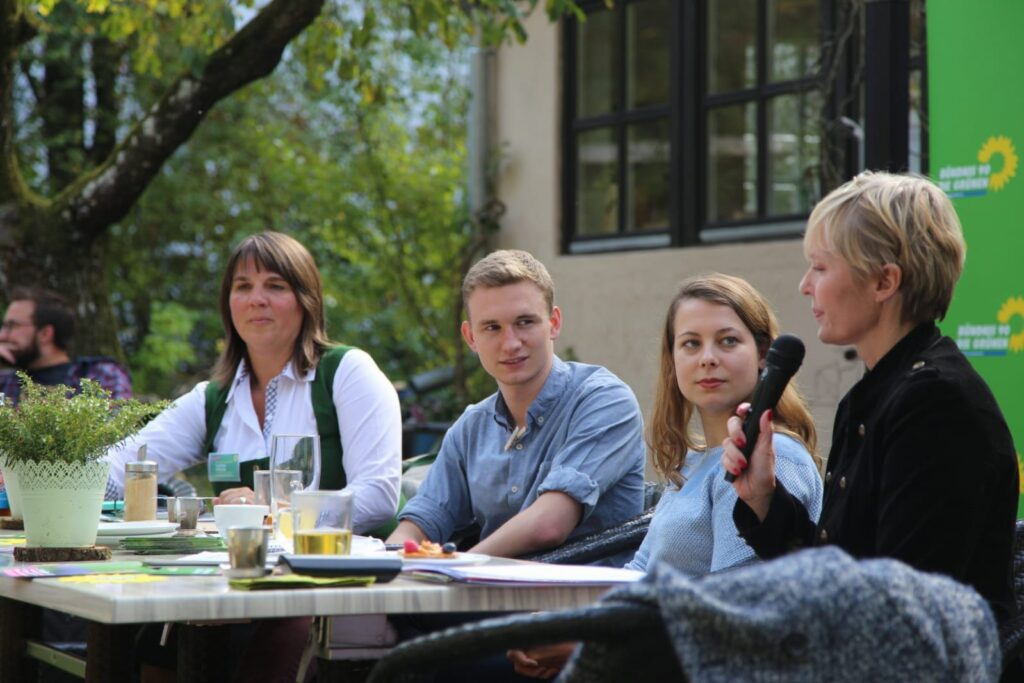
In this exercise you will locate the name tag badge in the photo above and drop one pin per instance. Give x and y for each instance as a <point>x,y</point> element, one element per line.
<point>224,467</point>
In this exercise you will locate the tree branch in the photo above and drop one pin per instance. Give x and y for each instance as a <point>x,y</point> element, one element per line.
<point>105,195</point>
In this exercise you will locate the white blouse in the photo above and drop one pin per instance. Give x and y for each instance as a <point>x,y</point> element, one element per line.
<point>369,420</point>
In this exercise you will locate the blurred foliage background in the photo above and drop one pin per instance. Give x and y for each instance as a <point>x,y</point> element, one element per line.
<point>355,144</point>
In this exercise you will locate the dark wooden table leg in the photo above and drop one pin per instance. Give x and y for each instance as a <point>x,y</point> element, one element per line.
<point>203,655</point>
<point>109,656</point>
<point>18,621</point>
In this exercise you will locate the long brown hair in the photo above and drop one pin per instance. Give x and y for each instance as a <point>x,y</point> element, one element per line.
<point>669,435</point>
<point>277,253</point>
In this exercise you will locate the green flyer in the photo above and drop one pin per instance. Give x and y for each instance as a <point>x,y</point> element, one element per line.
<point>975,133</point>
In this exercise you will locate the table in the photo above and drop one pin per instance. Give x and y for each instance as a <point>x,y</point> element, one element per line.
<point>196,600</point>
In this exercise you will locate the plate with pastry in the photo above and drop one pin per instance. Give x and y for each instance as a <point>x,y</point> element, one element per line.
<point>428,552</point>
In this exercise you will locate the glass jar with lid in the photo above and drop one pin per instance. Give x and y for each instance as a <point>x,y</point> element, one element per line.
<point>140,491</point>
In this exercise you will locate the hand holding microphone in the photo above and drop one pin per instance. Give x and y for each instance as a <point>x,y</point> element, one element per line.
<point>783,360</point>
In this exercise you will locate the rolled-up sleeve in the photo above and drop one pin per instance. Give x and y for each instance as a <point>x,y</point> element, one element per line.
<point>607,445</point>
<point>442,504</point>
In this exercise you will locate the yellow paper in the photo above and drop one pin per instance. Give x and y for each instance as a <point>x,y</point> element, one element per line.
<point>112,578</point>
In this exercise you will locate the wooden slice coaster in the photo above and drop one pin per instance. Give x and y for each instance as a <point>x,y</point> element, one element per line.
<point>12,524</point>
<point>86,554</point>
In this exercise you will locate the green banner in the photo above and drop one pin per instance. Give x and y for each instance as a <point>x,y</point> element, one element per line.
<point>976,122</point>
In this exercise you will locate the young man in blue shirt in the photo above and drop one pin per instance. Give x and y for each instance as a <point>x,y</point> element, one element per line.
<point>556,452</point>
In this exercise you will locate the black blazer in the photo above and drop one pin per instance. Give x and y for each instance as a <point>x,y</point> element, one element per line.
<point>922,469</point>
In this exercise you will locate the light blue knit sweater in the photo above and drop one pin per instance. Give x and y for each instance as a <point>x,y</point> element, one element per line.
<point>692,529</point>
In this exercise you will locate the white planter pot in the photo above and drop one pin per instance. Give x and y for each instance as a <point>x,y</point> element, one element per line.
<point>60,502</point>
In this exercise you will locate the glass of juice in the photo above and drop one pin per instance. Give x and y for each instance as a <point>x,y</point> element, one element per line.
<point>322,522</point>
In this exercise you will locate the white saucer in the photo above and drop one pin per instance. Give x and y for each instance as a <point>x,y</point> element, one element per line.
<point>146,528</point>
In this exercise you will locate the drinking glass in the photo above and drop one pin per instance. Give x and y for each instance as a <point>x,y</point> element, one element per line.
<point>261,487</point>
<point>322,522</point>
<point>294,466</point>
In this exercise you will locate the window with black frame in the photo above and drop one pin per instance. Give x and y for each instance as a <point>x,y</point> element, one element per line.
<point>690,121</point>
<point>620,136</point>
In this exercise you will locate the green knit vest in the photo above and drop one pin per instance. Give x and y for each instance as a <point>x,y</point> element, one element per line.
<point>332,472</point>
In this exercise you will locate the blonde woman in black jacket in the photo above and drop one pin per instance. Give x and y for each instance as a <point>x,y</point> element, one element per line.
<point>922,466</point>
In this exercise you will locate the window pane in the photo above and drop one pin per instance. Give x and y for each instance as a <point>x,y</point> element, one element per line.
<point>794,41</point>
<point>648,153</point>
<point>917,22</point>
<point>597,190</point>
<point>916,123</point>
<point>732,44</point>
<point>732,162</point>
<point>648,27</point>
<point>795,146</point>
<point>595,59</point>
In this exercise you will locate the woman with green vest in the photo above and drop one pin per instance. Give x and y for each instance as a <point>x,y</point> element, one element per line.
<point>279,373</point>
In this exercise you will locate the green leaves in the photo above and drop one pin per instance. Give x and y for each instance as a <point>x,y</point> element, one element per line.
<point>356,145</point>
<point>166,349</point>
<point>48,425</point>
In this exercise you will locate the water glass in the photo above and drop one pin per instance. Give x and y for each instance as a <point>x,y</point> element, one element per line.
<point>261,487</point>
<point>300,453</point>
<point>294,467</point>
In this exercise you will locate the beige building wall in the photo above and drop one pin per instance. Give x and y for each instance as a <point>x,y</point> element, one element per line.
<point>614,303</point>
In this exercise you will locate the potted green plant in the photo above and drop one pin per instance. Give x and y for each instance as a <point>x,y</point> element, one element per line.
<point>50,450</point>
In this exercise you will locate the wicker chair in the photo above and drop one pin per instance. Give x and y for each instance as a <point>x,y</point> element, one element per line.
<point>620,638</point>
<point>617,540</point>
<point>1011,633</point>
<point>633,639</point>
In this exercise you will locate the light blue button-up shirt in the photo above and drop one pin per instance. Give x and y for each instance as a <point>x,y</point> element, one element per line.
<point>584,437</point>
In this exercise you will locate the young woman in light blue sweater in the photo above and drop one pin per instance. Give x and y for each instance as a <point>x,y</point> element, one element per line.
<point>717,332</point>
<point>713,346</point>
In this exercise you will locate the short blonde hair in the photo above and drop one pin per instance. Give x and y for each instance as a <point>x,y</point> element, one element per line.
<point>878,219</point>
<point>508,267</point>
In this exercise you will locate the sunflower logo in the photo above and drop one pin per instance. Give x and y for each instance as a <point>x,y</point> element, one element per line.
<point>1013,306</point>
<point>1002,146</point>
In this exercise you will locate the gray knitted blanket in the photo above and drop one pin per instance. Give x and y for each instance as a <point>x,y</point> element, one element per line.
<point>816,615</point>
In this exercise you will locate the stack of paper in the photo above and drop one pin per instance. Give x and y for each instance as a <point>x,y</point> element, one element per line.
<point>529,574</point>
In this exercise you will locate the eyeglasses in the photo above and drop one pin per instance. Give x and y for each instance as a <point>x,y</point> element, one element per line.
<point>9,325</point>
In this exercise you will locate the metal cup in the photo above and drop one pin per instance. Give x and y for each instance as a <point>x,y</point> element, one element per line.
<point>188,512</point>
<point>247,549</point>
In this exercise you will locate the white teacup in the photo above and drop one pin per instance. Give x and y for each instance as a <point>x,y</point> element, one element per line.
<point>227,516</point>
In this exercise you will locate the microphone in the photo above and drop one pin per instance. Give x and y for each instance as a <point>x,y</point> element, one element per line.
<point>783,360</point>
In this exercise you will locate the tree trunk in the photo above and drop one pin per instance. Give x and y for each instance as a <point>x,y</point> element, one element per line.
<point>58,242</point>
<point>76,271</point>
